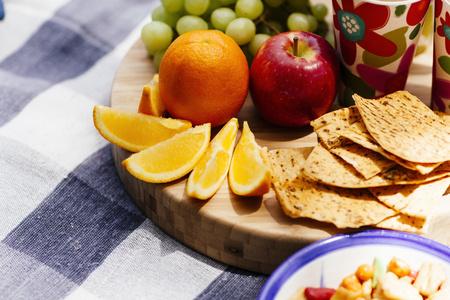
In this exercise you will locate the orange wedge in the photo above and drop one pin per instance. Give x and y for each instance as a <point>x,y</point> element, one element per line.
<point>134,131</point>
<point>211,171</point>
<point>248,175</point>
<point>151,103</point>
<point>172,158</point>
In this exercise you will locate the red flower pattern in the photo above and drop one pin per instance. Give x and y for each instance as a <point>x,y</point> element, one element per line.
<point>438,8</point>
<point>417,11</point>
<point>388,82</point>
<point>444,30</point>
<point>372,17</point>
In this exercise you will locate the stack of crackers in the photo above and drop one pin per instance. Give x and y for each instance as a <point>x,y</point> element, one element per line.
<point>383,162</point>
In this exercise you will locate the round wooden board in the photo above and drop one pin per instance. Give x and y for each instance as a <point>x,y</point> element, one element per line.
<point>250,233</point>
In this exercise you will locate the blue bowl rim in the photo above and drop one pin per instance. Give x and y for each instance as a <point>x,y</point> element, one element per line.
<point>340,241</point>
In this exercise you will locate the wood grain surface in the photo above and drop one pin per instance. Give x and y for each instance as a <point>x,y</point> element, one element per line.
<point>250,233</point>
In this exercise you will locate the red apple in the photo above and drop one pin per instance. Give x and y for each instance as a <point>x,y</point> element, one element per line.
<point>292,85</point>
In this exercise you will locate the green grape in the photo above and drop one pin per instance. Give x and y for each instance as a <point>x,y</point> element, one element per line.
<point>319,11</point>
<point>241,30</point>
<point>250,9</point>
<point>150,51</point>
<point>236,18</point>
<point>313,24</point>
<point>330,38</point>
<point>298,21</point>
<point>161,14</point>
<point>190,23</point>
<point>257,41</point>
<point>156,35</point>
<point>172,6</point>
<point>196,7</point>
<point>274,3</point>
<point>157,57</point>
<point>221,17</point>
<point>271,27</point>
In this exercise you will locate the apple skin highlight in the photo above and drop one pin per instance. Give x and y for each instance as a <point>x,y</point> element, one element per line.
<point>292,90</point>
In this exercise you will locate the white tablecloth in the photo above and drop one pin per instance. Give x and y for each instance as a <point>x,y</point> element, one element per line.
<point>68,228</point>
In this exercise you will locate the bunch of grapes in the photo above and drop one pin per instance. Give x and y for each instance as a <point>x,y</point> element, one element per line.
<point>248,22</point>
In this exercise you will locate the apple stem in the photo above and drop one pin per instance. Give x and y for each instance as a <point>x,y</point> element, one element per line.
<point>295,46</point>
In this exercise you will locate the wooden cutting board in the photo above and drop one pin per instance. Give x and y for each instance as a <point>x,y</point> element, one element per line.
<point>250,233</point>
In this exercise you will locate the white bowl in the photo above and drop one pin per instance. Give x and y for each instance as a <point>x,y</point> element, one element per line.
<point>325,263</point>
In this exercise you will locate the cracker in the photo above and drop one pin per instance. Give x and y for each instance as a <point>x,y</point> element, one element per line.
<point>327,126</point>
<point>367,162</point>
<point>345,208</point>
<point>342,117</point>
<point>358,133</point>
<point>350,180</point>
<point>404,126</point>
<point>302,197</point>
<point>329,136</point>
<point>285,164</point>
<point>406,223</point>
<point>443,116</point>
<point>325,167</point>
<point>412,200</point>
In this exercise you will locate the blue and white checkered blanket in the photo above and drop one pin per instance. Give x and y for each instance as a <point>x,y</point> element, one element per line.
<point>68,228</point>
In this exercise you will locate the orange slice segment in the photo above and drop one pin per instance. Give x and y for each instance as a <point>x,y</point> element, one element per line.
<point>210,173</point>
<point>172,158</point>
<point>134,131</point>
<point>150,103</point>
<point>248,175</point>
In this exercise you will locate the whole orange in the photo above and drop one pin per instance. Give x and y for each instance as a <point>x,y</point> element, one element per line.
<point>203,77</point>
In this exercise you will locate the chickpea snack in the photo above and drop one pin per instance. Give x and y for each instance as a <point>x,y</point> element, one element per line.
<point>369,265</point>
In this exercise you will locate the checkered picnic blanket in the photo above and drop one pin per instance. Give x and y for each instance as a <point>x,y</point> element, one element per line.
<point>68,228</point>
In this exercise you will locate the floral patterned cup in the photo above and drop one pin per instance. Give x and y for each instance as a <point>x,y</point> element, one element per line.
<point>440,98</point>
<point>426,37</point>
<point>376,41</point>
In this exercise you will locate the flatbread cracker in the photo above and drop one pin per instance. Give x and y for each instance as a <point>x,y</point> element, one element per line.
<point>329,136</point>
<point>301,197</point>
<point>404,126</point>
<point>327,126</point>
<point>285,164</point>
<point>334,137</point>
<point>412,200</point>
<point>351,181</point>
<point>325,167</point>
<point>342,117</point>
<point>345,208</point>
<point>444,116</point>
<point>367,162</point>
<point>358,133</point>
<point>406,223</point>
